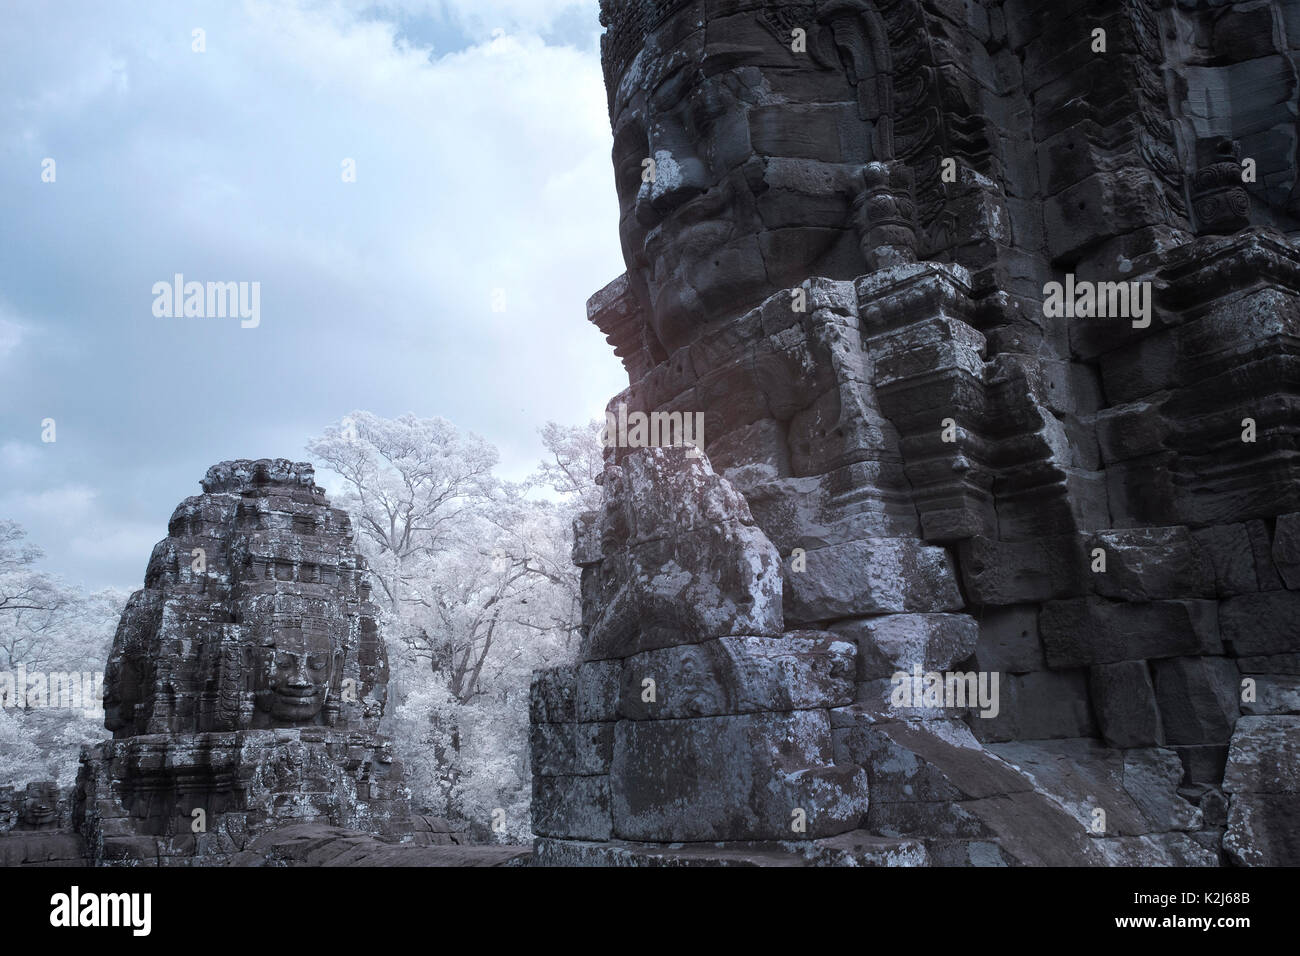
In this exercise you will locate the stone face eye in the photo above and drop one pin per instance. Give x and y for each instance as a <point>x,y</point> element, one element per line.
<point>671,90</point>
<point>631,149</point>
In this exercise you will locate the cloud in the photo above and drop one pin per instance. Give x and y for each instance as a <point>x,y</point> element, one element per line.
<point>66,504</point>
<point>125,544</point>
<point>483,16</point>
<point>482,164</point>
<point>17,456</point>
<point>10,335</point>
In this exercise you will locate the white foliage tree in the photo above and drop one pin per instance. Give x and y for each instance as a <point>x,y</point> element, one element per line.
<point>576,464</point>
<point>21,759</point>
<point>409,483</point>
<point>479,590</point>
<point>30,600</point>
<point>47,626</point>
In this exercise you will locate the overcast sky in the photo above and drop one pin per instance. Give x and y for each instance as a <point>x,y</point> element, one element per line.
<point>481,146</point>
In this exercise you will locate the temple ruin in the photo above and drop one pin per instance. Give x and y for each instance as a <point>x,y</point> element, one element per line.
<point>246,681</point>
<point>848,228</point>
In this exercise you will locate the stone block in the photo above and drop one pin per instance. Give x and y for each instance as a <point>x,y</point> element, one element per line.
<point>1228,549</point>
<point>570,806</point>
<point>1150,564</point>
<point>1263,783</point>
<point>552,696</point>
<point>1082,632</point>
<point>1136,789</point>
<point>1125,702</point>
<point>739,675</point>
<point>1286,550</point>
<point>1038,706</point>
<point>597,689</point>
<point>732,778</point>
<point>876,576</point>
<point>1199,698</point>
<point>930,760</point>
<point>896,642</point>
<point>1008,640</point>
<point>1274,694</point>
<point>1022,572</point>
<point>1263,623</point>
<point>572,749</point>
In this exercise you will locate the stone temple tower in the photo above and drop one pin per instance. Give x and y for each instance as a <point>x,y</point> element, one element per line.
<point>992,552</point>
<point>246,681</point>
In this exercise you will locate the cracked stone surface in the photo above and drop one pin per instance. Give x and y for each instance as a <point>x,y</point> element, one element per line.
<point>943,471</point>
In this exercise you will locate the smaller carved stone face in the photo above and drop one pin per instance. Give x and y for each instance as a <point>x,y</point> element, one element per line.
<point>40,806</point>
<point>298,665</point>
<point>698,683</point>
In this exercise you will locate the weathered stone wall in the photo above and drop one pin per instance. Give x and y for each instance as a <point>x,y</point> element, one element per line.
<point>1101,510</point>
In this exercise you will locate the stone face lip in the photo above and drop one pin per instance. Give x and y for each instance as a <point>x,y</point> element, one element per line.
<point>681,559</point>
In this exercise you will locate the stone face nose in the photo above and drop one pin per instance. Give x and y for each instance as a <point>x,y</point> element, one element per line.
<point>298,673</point>
<point>676,180</point>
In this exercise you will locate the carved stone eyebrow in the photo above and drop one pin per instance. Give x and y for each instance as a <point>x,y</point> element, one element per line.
<point>720,56</point>
<point>671,88</point>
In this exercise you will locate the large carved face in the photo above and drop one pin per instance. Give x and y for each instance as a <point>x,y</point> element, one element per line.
<point>298,664</point>
<point>758,152</point>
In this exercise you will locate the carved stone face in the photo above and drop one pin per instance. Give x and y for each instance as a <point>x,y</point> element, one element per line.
<point>698,683</point>
<point>757,152</point>
<point>298,665</point>
<point>40,806</point>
